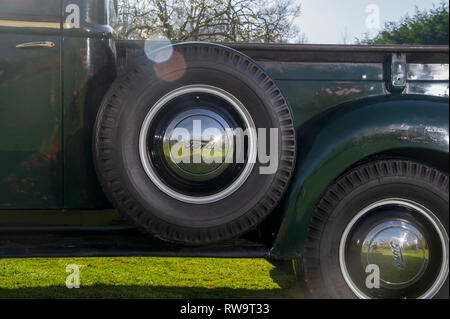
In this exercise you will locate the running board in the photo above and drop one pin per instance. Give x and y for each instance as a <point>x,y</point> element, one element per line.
<point>121,242</point>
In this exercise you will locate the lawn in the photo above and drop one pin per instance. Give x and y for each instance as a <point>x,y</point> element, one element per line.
<point>145,277</point>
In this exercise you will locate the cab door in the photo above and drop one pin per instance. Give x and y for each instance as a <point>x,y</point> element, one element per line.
<point>30,105</point>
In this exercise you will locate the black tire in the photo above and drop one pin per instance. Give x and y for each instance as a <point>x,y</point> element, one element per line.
<point>116,149</point>
<point>357,189</point>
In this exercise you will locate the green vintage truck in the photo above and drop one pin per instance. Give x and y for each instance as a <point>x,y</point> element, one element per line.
<point>334,157</point>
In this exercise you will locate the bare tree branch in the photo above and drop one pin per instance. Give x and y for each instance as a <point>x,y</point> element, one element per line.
<point>210,20</point>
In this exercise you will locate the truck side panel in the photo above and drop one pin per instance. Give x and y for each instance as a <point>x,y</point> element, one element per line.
<point>343,136</point>
<point>31,163</point>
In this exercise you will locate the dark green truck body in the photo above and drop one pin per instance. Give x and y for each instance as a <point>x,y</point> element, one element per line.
<point>350,104</point>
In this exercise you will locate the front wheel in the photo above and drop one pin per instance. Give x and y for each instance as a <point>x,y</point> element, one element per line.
<point>381,231</point>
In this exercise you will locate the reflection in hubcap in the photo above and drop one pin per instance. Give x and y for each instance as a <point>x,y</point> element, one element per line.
<point>400,251</point>
<point>197,144</point>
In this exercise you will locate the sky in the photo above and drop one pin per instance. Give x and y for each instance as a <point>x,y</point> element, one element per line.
<point>340,21</point>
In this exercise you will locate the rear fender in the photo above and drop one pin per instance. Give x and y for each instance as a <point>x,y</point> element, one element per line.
<point>339,138</point>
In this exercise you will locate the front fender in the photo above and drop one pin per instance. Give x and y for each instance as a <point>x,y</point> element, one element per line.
<point>341,137</point>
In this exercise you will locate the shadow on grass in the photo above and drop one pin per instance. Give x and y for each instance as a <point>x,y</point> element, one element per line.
<point>288,288</point>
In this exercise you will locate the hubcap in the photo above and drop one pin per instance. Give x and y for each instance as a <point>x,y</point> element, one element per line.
<point>197,145</point>
<point>188,144</point>
<point>399,249</point>
<point>404,241</point>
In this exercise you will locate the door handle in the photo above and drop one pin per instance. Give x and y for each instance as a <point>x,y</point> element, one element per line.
<point>40,44</point>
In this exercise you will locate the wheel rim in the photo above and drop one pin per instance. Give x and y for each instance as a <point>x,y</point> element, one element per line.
<point>193,168</point>
<point>407,243</point>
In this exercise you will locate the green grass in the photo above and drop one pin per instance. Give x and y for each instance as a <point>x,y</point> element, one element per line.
<point>147,278</point>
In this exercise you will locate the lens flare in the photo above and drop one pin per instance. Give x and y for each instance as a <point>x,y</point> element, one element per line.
<point>172,69</point>
<point>158,49</point>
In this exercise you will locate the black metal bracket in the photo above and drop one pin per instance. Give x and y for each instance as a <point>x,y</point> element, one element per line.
<point>397,73</point>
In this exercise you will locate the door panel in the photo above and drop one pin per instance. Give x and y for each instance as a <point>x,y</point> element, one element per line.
<point>30,106</point>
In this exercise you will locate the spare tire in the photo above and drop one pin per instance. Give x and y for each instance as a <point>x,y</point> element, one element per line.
<point>196,188</point>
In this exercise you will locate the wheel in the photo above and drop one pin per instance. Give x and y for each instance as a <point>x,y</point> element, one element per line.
<point>178,144</point>
<point>381,231</point>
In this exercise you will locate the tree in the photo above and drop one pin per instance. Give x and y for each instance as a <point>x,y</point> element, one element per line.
<point>423,28</point>
<point>209,20</point>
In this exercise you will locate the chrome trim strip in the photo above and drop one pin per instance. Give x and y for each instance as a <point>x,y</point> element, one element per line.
<point>427,72</point>
<point>30,24</point>
<point>433,88</point>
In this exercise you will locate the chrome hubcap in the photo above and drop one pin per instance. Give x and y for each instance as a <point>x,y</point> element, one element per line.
<point>198,145</point>
<point>399,249</point>
<point>187,144</point>
<point>406,243</point>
